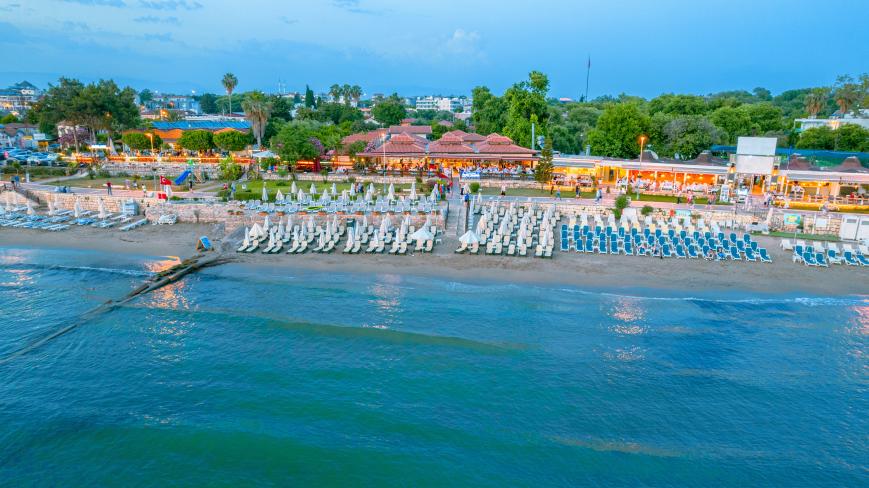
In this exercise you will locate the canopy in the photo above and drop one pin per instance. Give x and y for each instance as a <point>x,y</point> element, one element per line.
<point>422,235</point>
<point>264,154</point>
<point>469,237</point>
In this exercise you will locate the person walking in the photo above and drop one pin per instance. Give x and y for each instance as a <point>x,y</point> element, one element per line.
<point>576,190</point>
<point>109,188</point>
<point>558,194</point>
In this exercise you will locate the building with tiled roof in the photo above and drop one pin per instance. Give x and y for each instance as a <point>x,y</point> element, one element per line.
<point>423,130</point>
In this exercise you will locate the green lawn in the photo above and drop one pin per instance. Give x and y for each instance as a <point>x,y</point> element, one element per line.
<point>807,237</point>
<point>254,188</point>
<point>532,192</point>
<point>644,197</point>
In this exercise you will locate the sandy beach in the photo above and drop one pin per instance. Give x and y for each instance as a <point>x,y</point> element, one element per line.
<point>582,270</point>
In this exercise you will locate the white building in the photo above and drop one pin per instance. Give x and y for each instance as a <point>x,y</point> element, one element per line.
<point>447,104</point>
<point>835,122</point>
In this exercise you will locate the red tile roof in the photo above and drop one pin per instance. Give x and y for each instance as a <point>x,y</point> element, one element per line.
<point>410,129</point>
<point>402,143</point>
<point>363,136</point>
<point>449,144</point>
<point>498,144</point>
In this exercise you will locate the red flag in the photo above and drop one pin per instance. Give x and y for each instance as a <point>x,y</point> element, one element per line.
<point>165,181</point>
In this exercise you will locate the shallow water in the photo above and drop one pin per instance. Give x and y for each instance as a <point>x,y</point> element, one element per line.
<point>238,376</point>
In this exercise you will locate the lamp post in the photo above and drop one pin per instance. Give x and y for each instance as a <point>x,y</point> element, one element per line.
<point>642,141</point>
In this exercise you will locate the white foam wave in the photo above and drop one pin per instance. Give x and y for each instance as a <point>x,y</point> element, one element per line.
<point>805,301</point>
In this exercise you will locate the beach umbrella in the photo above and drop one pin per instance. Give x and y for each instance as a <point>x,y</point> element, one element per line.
<point>481,224</point>
<point>326,197</point>
<point>385,224</point>
<point>293,188</point>
<point>371,187</point>
<point>168,191</point>
<point>265,195</point>
<point>50,208</point>
<point>266,224</point>
<point>30,210</point>
<point>311,224</point>
<point>271,239</point>
<point>279,197</point>
<point>77,209</point>
<point>469,237</point>
<point>352,190</point>
<point>281,230</point>
<point>300,196</point>
<point>312,190</point>
<point>422,235</point>
<point>101,209</point>
<point>391,194</point>
<point>434,195</point>
<point>369,195</point>
<point>246,242</point>
<point>255,231</point>
<point>365,221</point>
<point>334,189</point>
<point>504,228</point>
<point>413,191</point>
<point>523,234</point>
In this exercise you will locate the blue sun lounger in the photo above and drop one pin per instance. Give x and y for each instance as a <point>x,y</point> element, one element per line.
<point>764,256</point>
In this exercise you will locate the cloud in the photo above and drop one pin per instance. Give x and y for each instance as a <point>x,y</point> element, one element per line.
<point>289,21</point>
<point>9,7</point>
<point>153,19</point>
<point>463,43</point>
<point>76,26</point>
<point>170,4</point>
<point>352,6</point>
<point>165,37</point>
<point>99,3</point>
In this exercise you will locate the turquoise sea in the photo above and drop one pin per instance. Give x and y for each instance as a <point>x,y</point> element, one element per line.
<point>240,376</point>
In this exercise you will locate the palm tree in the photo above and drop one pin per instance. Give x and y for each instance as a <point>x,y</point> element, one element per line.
<point>345,92</point>
<point>847,94</point>
<point>356,93</point>
<point>335,92</point>
<point>257,109</point>
<point>229,83</point>
<point>815,101</point>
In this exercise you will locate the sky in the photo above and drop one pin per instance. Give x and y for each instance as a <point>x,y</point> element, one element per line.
<point>638,47</point>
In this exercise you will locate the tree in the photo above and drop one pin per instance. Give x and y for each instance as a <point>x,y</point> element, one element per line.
<point>765,117</point>
<point>390,111</point>
<point>257,109</point>
<point>734,121</point>
<point>9,119</point>
<point>97,106</point>
<point>208,103</point>
<point>138,141</point>
<point>145,96</point>
<point>229,169</point>
<point>335,92</point>
<point>309,97</point>
<point>678,105</point>
<point>229,82</point>
<point>618,130</point>
<point>296,142</point>
<point>543,170</point>
<point>355,94</point>
<point>815,101</point>
<point>847,93</point>
<point>489,112</point>
<point>852,137</point>
<point>689,135</point>
<point>817,138</point>
<point>762,93</point>
<point>526,105</point>
<point>196,140</point>
<point>231,140</point>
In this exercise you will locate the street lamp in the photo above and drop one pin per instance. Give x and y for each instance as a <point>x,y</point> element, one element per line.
<point>643,139</point>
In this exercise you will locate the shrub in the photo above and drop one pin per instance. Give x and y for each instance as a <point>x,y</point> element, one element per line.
<point>351,179</point>
<point>617,213</point>
<point>646,210</point>
<point>621,202</point>
<point>475,187</point>
<point>282,182</point>
<point>283,173</point>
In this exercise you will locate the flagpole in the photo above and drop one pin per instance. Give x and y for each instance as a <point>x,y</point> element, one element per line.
<point>587,72</point>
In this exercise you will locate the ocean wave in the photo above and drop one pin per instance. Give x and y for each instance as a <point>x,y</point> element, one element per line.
<point>95,269</point>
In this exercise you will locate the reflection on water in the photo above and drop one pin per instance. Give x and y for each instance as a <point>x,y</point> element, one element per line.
<point>386,297</point>
<point>162,264</point>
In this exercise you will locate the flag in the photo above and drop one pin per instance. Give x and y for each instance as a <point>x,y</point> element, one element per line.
<point>165,181</point>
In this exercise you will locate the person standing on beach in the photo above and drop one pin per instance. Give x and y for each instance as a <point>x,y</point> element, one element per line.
<point>558,194</point>
<point>232,191</point>
<point>576,190</point>
<point>109,188</point>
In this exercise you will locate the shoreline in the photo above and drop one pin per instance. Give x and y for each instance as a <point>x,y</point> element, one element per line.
<point>600,272</point>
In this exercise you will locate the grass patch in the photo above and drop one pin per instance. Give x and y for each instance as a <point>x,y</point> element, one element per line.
<point>533,192</point>
<point>807,237</point>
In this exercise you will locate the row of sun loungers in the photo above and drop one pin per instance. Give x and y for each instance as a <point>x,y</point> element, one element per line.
<point>816,256</point>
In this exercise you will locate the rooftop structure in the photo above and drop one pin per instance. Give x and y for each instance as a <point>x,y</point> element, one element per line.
<point>19,97</point>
